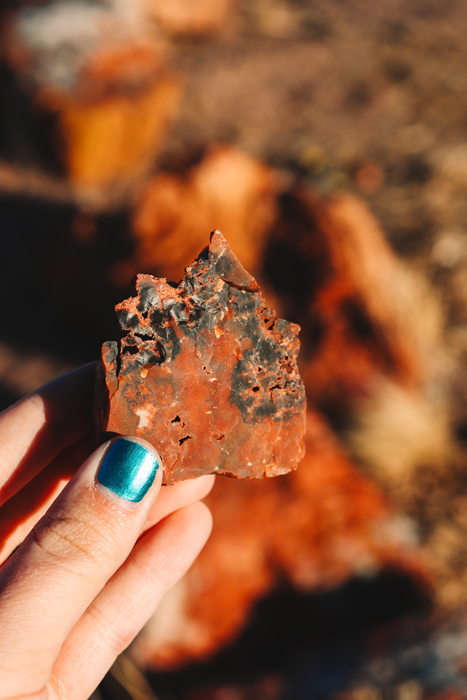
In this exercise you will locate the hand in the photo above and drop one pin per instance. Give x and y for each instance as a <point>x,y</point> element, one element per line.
<point>84,581</point>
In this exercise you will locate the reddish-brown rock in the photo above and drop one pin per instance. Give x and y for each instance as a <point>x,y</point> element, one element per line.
<point>313,529</point>
<point>356,302</point>
<point>101,97</point>
<point>207,373</point>
<point>226,189</point>
<point>189,17</point>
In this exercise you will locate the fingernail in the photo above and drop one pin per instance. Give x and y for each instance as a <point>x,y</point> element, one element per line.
<point>128,469</point>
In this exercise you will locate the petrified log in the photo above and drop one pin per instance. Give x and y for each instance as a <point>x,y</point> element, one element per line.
<point>226,189</point>
<point>95,103</point>
<point>334,523</point>
<point>372,355</point>
<point>328,258</point>
<point>206,373</point>
<point>189,17</point>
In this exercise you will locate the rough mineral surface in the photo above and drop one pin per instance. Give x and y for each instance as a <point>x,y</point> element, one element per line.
<point>206,373</point>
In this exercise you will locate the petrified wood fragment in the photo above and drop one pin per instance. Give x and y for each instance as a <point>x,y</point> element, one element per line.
<point>206,373</point>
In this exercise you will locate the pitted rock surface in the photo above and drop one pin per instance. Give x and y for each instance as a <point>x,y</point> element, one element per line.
<point>206,373</point>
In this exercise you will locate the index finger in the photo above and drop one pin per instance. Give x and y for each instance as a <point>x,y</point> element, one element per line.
<point>37,428</point>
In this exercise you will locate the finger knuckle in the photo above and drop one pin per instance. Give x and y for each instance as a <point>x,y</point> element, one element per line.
<point>115,632</point>
<point>70,538</point>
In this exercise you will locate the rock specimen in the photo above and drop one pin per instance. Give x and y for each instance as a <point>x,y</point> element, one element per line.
<point>206,373</point>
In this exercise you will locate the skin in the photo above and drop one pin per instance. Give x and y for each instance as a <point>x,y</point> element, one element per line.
<point>89,568</point>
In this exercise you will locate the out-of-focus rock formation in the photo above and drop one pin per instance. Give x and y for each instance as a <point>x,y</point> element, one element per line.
<point>313,529</point>
<point>92,86</point>
<point>189,17</point>
<point>99,93</point>
<point>227,189</point>
<point>372,331</point>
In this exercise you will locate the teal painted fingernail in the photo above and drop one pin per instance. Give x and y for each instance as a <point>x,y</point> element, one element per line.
<point>128,469</point>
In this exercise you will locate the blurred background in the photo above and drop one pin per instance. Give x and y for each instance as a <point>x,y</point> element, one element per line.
<point>327,139</point>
